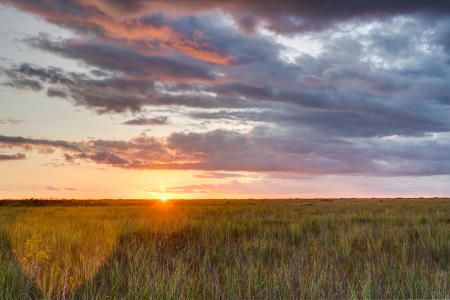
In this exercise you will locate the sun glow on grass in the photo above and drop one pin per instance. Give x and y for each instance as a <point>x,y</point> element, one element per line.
<point>333,248</point>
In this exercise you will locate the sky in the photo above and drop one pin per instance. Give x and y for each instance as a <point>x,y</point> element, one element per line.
<point>224,99</point>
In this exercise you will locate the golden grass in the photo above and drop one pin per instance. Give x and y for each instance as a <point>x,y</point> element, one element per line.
<point>349,248</point>
<point>60,249</point>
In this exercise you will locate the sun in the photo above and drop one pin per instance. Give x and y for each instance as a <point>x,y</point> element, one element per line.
<point>163,198</point>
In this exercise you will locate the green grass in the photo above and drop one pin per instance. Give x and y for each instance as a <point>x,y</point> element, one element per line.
<point>346,248</point>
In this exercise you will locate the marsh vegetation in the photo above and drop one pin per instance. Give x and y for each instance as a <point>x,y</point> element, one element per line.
<point>323,248</point>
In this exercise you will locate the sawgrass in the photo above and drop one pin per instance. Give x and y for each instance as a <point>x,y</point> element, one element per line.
<point>323,248</point>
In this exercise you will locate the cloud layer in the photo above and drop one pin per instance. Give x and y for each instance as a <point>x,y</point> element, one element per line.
<point>373,100</point>
<point>257,151</point>
<point>16,156</point>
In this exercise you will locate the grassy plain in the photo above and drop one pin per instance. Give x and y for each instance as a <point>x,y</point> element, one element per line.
<point>323,248</point>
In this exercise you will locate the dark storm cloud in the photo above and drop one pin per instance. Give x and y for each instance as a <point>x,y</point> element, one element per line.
<point>148,121</point>
<point>16,156</point>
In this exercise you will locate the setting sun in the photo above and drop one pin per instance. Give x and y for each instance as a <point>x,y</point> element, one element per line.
<point>163,198</point>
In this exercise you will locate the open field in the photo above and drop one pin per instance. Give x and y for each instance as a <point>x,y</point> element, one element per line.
<point>343,248</point>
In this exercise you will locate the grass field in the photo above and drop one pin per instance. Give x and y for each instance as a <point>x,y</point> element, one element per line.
<point>343,248</point>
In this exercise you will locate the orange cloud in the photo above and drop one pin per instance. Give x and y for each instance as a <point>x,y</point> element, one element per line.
<point>132,32</point>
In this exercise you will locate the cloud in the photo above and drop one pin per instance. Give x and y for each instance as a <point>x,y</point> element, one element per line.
<point>149,33</point>
<point>260,150</point>
<point>112,57</point>
<point>292,16</point>
<point>17,156</point>
<point>233,187</point>
<point>125,154</point>
<point>162,120</point>
<point>219,175</point>
<point>18,141</point>
<point>335,123</point>
<point>54,92</point>
<point>337,109</point>
<point>24,84</point>
<point>10,121</point>
<point>71,189</point>
<point>344,186</point>
<point>354,81</point>
<point>115,94</point>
